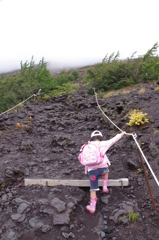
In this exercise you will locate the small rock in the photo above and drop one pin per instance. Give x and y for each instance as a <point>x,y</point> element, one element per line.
<point>68,235</point>
<point>46,228</point>
<point>64,229</point>
<point>65,235</point>
<point>1,181</point>
<point>23,207</point>
<point>4,198</point>
<point>107,230</point>
<point>102,234</point>
<point>11,234</point>
<point>46,159</point>
<point>104,199</point>
<point>35,223</point>
<point>18,217</point>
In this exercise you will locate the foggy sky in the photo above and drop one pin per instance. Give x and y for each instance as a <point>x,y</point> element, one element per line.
<point>74,32</point>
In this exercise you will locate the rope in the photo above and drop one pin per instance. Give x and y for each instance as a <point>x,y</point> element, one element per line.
<point>131,134</point>
<point>34,95</point>
<point>146,161</point>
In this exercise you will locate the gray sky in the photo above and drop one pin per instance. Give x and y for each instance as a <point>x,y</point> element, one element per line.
<point>75,32</point>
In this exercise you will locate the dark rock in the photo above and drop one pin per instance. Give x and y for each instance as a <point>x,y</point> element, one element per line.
<point>119,108</point>
<point>2,126</point>
<point>12,174</point>
<point>104,199</point>
<point>61,219</point>
<point>1,181</point>
<point>153,150</point>
<point>26,145</point>
<point>131,164</point>
<point>108,230</point>
<point>5,117</point>
<point>117,214</point>
<point>1,119</point>
<point>59,205</point>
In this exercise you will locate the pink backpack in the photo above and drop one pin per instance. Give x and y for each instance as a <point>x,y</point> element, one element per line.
<point>90,155</point>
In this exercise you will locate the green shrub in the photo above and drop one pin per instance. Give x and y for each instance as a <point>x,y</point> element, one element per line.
<point>45,97</point>
<point>30,79</point>
<point>113,73</point>
<point>137,118</point>
<point>133,217</point>
<point>67,88</point>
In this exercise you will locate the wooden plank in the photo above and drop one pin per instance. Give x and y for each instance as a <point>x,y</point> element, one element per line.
<point>74,182</point>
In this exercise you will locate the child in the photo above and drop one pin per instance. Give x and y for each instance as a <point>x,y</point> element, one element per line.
<point>101,170</point>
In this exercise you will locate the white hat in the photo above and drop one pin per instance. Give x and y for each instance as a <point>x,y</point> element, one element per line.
<point>96,133</point>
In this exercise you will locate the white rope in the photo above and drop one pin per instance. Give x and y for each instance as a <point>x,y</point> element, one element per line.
<point>109,118</point>
<point>132,134</point>
<point>34,95</point>
<point>146,160</point>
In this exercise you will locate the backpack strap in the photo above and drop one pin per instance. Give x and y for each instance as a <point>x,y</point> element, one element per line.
<point>83,147</point>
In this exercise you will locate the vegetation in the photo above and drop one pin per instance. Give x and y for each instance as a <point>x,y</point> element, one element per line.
<point>133,217</point>
<point>137,118</point>
<point>113,73</point>
<point>30,79</point>
<point>2,186</point>
<point>139,170</point>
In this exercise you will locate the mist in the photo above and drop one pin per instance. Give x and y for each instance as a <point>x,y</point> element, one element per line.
<point>74,33</point>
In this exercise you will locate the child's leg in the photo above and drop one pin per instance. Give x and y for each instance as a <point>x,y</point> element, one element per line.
<point>93,195</point>
<point>93,200</point>
<point>93,177</point>
<point>105,181</point>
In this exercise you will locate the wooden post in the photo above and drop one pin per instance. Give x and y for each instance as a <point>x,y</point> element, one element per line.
<point>153,202</point>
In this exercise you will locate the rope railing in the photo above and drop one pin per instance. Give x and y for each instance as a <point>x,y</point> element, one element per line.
<point>130,134</point>
<point>34,95</point>
<point>146,161</point>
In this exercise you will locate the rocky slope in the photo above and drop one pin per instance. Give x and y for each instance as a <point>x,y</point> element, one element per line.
<point>46,144</point>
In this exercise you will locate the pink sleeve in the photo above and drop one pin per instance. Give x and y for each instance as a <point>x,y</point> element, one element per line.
<point>113,140</point>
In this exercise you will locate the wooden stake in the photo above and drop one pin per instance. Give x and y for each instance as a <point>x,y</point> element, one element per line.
<point>153,202</point>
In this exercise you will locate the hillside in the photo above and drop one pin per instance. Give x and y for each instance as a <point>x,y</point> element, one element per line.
<point>47,144</point>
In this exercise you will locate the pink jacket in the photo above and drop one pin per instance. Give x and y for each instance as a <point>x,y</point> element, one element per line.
<point>104,146</point>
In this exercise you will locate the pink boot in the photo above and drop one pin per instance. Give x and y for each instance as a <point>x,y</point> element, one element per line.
<point>92,207</point>
<point>105,189</point>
